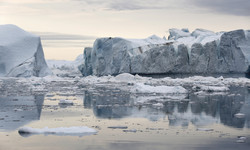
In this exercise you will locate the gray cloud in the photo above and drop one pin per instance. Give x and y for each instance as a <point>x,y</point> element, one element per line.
<point>233,7</point>
<point>60,36</point>
<point>138,4</point>
<point>122,5</point>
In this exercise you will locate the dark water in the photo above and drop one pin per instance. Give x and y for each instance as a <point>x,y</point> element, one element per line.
<point>196,122</point>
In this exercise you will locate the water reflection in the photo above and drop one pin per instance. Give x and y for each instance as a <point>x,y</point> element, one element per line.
<point>16,111</point>
<point>109,104</point>
<point>196,110</point>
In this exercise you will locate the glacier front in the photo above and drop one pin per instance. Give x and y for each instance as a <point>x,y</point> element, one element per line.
<point>199,52</point>
<point>21,53</point>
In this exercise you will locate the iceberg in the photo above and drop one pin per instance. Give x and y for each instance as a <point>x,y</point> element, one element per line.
<point>199,52</point>
<point>21,53</point>
<point>113,55</point>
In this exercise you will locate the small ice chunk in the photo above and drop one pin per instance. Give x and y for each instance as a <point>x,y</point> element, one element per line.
<point>239,115</point>
<point>131,130</point>
<point>118,127</point>
<point>159,105</point>
<point>125,77</point>
<point>66,102</point>
<point>204,129</point>
<point>211,88</point>
<point>62,131</point>
<point>241,139</point>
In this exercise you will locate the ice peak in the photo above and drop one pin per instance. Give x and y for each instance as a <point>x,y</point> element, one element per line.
<point>176,33</point>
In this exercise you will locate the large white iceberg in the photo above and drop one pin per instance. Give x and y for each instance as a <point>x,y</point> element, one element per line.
<point>113,55</point>
<point>199,52</point>
<point>21,53</point>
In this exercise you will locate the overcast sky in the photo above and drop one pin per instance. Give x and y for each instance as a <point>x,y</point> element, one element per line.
<point>84,20</point>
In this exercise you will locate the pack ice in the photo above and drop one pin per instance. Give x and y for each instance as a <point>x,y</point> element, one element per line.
<point>199,52</point>
<point>21,53</point>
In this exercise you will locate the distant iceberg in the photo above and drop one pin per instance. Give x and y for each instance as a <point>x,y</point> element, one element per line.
<point>21,53</point>
<point>66,68</point>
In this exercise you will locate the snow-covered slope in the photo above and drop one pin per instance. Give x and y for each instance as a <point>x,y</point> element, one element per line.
<point>21,53</point>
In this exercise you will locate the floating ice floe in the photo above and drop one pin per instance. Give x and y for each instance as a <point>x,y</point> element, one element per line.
<point>204,129</point>
<point>125,77</point>
<point>239,115</point>
<point>118,127</point>
<point>61,131</point>
<point>131,130</point>
<point>142,88</point>
<point>241,139</point>
<point>158,105</point>
<point>205,88</point>
<point>66,102</point>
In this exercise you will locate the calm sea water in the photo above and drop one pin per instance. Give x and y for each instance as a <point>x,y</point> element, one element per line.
<point>198,122</point>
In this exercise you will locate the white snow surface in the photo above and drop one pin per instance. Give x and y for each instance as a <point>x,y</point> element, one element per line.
<point>176,33</point>
<point>125,77</point>
<point>153,39</point>
<point>72,131</point>
<point>138,46</point>
<point>201,36</point>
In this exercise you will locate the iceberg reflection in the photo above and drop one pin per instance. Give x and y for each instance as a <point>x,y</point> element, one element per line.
<point>197,110</point>
<point>16,111</point>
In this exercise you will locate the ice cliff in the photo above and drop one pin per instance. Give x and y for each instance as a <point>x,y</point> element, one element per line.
<point>199,52</point>
<point>21,53</point>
